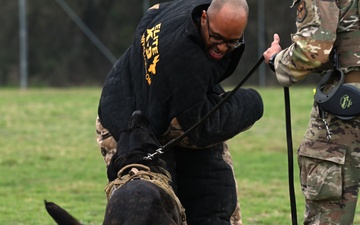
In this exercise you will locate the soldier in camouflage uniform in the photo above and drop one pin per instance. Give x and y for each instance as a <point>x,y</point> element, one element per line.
<point>329,160</point>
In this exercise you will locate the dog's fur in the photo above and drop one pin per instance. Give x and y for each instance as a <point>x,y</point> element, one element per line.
<point>138,201</point>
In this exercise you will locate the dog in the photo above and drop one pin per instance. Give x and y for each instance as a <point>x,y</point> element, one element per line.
<point>139,191</point>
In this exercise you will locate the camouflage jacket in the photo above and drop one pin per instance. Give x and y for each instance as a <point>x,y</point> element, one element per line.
<point>321,26</point>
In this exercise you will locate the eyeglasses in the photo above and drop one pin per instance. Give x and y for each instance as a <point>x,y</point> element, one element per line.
<point>218,40</point>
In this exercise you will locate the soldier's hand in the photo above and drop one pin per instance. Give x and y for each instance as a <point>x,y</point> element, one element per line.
<point>273,49</point>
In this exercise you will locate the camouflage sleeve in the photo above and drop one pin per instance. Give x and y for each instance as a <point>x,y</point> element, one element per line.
<point>316,24</point>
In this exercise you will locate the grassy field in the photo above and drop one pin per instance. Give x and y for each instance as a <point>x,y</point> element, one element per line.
<point>48,151</point>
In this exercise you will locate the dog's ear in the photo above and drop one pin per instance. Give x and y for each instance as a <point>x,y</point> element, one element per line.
<point>138,119</point>
<point>134,144</point>
<point>61,216</point>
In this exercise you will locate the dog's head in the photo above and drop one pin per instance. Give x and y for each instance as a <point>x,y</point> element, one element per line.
<point>134,144</point>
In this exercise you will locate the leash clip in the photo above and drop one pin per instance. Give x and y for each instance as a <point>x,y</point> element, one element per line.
<point>150,156</point>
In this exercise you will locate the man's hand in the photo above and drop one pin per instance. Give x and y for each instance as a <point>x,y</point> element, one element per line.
<point>273,49</point>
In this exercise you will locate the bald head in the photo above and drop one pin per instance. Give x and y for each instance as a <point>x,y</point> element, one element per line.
<point>238,6</point>
<point>229,14</point>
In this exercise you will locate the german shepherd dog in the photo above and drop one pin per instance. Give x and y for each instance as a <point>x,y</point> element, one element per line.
<point>140,191</point>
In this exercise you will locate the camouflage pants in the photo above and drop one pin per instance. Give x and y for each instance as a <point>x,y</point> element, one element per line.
<point>108,144</point>
<point>330,170</point>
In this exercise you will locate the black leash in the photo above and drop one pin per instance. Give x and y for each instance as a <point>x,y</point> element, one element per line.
<point>174,141</point>
<point>290,156</point>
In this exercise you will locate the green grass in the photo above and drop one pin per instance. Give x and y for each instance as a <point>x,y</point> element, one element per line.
<point>48,151</point>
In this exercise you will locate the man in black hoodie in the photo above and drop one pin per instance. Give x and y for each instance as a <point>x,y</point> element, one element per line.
<point>181,51</point>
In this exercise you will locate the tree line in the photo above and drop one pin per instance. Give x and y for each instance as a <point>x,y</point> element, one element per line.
<point>61,55</point>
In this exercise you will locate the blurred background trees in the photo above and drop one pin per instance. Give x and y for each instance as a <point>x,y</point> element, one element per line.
<point>61,55</point>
